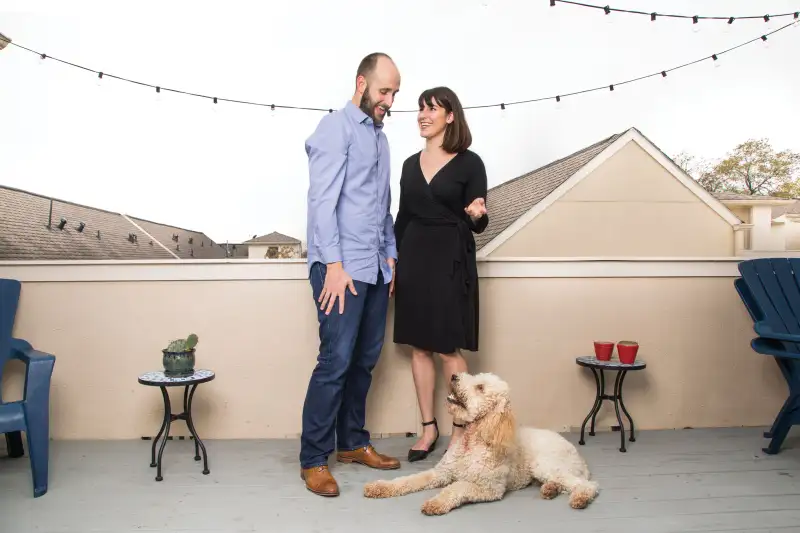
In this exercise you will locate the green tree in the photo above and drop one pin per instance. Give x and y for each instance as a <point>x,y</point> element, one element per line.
<point>752,168</point>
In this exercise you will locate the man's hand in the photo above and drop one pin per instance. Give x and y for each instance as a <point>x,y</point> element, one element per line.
<point>336,282</point>
<point>476,209</point>
<point>392,263</point>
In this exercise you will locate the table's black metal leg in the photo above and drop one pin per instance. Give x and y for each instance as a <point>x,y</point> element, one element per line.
<point>617,383</point>
<point>197,440</point>
<point>186,411</point>
<point>602,397</point>
<point>167,420</point>
<point>595,408</point>
<point>158,435</point>
<point>632,438</point>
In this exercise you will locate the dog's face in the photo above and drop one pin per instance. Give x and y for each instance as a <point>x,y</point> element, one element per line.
<point>476,396</point>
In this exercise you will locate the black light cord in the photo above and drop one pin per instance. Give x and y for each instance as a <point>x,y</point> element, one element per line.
<point>695,18</point>
<point>557,98</point>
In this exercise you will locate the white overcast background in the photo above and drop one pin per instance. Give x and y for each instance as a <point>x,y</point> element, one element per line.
<point>235,170</point>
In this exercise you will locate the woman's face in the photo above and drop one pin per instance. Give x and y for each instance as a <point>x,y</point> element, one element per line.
<point>433,119</point>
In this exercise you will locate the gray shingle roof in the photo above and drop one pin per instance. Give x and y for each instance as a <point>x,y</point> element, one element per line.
<point>24,234</point>
<point>184,243</point>
<point>510,200</point>
<point>274,238</point>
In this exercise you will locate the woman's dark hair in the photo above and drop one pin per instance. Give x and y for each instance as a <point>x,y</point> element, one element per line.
<point>457,137</point>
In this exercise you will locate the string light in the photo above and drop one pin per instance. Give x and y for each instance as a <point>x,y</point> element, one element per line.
<point>663,73</point>
<point>695,18</point>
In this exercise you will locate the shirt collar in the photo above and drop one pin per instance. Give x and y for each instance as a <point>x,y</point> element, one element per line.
<point>355,112</point>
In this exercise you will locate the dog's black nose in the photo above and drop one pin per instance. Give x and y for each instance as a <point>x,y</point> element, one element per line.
<point>454,377</point>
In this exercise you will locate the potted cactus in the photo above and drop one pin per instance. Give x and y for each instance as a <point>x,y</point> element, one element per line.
<point>179,357</point>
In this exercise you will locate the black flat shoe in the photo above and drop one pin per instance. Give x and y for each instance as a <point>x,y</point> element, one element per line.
<point>419,455</point>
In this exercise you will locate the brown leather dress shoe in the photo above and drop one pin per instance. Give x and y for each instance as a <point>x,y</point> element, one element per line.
<point>369,457</point>
<point>320,481</point>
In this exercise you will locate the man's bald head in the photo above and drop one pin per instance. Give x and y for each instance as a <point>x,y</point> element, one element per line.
<point>377,83</point>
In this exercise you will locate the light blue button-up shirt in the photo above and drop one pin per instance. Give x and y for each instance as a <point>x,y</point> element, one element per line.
<point>349,195</point>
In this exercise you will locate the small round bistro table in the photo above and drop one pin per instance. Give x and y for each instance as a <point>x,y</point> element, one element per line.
<point>595,364</point>
<point>159,379</point>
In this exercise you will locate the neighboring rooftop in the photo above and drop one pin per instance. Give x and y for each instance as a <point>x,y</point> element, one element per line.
<point>80,232</point>
<point>273,238</point>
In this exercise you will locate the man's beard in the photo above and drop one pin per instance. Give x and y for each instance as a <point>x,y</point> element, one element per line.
<point>368,106</point>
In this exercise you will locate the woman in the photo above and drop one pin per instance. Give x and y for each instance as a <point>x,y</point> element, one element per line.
<point>442,202</point>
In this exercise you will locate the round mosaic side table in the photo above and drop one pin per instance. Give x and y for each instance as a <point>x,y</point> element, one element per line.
<point>162,381</point>
<point>595,364</point>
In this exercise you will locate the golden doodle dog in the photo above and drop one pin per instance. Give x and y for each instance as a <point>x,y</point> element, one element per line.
<point>494,456</point>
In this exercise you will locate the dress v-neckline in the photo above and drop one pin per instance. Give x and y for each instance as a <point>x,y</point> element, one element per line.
<point>422,172</point>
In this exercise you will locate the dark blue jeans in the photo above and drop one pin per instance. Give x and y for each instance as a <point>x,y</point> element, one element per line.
<point>334,412</point>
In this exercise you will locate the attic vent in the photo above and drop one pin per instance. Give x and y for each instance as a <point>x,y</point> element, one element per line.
<point>62,223</point>
<point>175,237</point>
<point>191,240</point>
<point>202,243</point>
<point>80,227</point>
<point>132,237</point>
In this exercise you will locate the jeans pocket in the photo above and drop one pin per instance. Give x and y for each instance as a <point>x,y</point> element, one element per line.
<point>318,272</point>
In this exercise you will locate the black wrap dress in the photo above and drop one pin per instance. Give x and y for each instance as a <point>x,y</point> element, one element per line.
<point>436,284</point>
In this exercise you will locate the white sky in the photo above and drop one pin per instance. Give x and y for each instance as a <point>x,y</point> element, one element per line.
<point>240,170</point>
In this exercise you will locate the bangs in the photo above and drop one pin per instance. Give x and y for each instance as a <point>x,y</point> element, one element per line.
<point>435,96</point>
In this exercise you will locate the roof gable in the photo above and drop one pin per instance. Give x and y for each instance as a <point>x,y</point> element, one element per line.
<point>273,238</point>
<point>509,201</point>
<point>514,204</point>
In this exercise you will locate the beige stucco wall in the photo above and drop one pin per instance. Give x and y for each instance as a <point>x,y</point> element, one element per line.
<point>260,336</point>
<point>792,233</point>
<point>629,206</point>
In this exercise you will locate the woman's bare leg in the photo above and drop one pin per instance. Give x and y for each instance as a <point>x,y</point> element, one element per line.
<point>424,372</point>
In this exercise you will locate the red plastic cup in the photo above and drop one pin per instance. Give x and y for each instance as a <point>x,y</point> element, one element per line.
<point>603,350</point>
<point>627,351</point>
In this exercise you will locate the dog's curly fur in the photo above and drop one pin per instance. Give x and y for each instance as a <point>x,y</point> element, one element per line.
<point>494,456</point>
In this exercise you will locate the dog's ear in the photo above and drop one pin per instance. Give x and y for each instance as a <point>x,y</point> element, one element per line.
<point>498,429</point>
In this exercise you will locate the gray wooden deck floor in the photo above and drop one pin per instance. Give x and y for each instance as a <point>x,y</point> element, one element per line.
<point>685,480</point>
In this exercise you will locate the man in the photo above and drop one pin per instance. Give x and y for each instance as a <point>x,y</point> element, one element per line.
<point>351,258</point>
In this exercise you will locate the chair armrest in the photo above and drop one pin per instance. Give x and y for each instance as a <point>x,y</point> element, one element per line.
<point>772,347</point>
<point>767,333</point>
<point>38,371</point>
<point>23,351</point>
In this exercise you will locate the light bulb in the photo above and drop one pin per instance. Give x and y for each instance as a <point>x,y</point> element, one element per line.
<point>98,81</point>
<point>695,24</point>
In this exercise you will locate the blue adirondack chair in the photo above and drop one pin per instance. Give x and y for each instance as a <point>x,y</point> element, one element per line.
<point>770,290</point>
<point>32,413</point>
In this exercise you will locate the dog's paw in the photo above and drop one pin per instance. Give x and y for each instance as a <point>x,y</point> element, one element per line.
<point>549,490</point>
<point>378,489</point>
<point>434,507</point>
